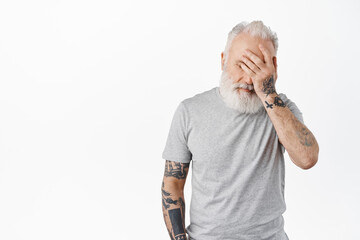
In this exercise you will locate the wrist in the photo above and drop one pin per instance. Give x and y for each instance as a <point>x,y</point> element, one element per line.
<point>271,100</point>
<point>266,95</point>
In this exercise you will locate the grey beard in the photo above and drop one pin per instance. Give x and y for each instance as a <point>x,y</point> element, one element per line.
<point>243,102</point>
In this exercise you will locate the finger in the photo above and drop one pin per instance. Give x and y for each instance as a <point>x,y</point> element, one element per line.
<point>250,64</point>
<point>266,53</point>
<point>254,58</point>
<point>247,69</point>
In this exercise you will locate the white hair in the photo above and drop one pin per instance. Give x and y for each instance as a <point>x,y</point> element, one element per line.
<point>255,29</point>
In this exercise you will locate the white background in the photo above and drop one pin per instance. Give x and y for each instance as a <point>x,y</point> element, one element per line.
<point>88,90</point>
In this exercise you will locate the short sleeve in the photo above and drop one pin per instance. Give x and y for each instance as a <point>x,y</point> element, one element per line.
<point>176,147</point>
<point>293,108</point>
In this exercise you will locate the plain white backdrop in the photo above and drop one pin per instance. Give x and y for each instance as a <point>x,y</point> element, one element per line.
<point>88,90</point>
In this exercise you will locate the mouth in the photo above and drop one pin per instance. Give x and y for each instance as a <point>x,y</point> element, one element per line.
<point>245,90</point>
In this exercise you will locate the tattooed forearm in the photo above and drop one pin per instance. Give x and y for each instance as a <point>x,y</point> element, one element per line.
<point>269,86</point>
<point>305,136</point>
<point>295,137</point>
<point>174,212</point>
<point>176,169</point>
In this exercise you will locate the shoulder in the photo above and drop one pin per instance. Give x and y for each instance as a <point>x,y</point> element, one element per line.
<point>199,99</point>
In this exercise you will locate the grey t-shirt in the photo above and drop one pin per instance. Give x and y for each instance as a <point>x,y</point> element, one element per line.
<point>237,168</point>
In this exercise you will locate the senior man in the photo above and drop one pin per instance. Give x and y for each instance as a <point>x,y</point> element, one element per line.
<point>236,135</point>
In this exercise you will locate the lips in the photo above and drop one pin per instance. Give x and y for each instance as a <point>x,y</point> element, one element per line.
<point>246,90</point>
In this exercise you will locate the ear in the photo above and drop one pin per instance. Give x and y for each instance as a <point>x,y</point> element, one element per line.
<point>222,61</point>
<point>275,65</point>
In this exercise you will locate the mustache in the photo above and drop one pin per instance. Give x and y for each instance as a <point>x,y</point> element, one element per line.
<point>227,80</point>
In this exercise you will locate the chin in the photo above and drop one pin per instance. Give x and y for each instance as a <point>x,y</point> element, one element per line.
<point>239,100</point>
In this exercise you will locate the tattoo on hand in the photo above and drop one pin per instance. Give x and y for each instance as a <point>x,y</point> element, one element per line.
<point>269,86</point>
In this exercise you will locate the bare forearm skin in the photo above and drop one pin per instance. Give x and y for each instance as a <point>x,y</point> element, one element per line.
<point>297,139</point>
<point>173,203</point>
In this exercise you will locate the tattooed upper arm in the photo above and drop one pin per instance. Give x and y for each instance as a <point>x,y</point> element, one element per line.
<point>176,173</point>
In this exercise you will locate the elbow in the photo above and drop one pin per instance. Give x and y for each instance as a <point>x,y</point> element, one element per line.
<point>310,162</point>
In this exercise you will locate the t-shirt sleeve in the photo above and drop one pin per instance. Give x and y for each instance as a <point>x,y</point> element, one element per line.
<point>176,147</point>
<point>294,109</point>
